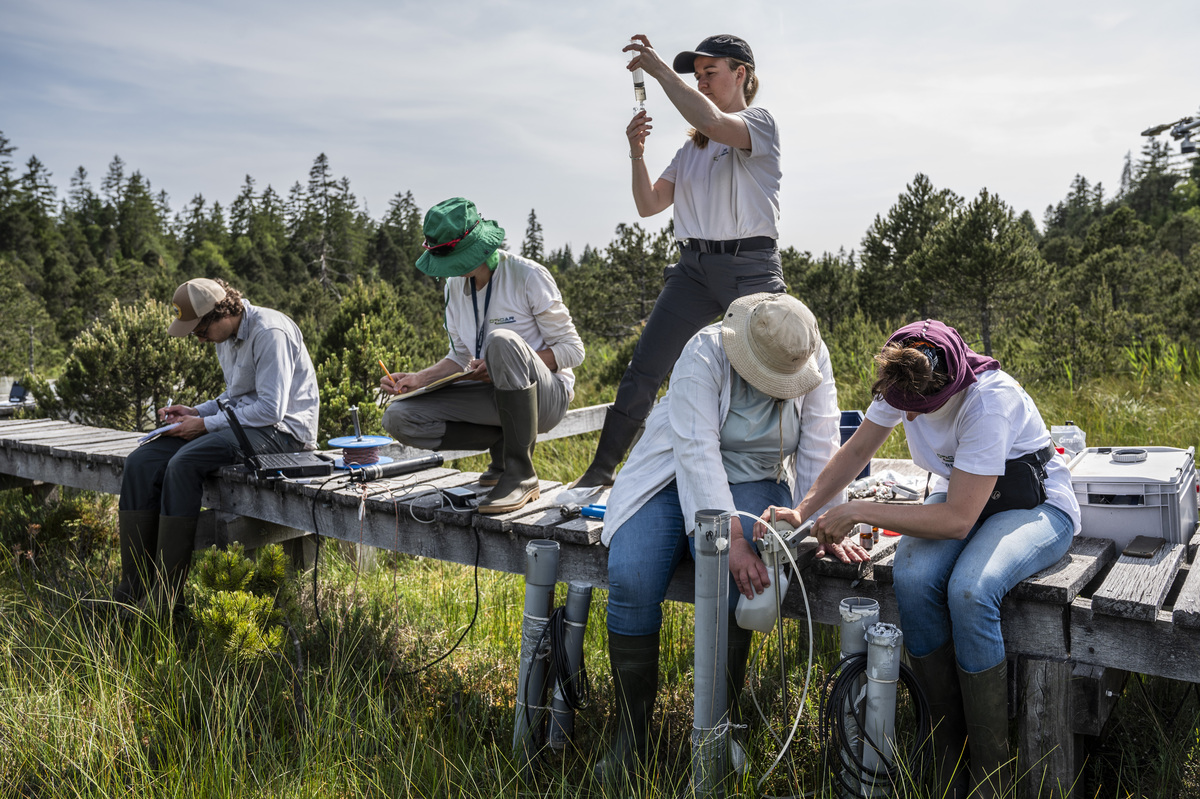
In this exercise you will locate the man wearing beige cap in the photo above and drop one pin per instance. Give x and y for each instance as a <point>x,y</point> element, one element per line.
<point>271,386</point>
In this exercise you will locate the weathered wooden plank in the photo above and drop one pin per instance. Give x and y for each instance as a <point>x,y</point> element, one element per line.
<point>12,426</point>
<point>1047,749</point>
<point>1157,648</point>
<point>1063,581</point>
<point>103,440</point>
<point>66,432</point>
<point>1034,628</point>
<point>1137,587</point>
<point>61,471</point>
<point>1187,605</point>
<point>503,522</point>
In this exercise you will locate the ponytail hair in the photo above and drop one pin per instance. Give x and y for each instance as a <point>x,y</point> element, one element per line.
<point>906,369</point>
<point>749,91</point>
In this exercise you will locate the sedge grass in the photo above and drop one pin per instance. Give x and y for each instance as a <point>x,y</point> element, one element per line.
<point>96,705</point>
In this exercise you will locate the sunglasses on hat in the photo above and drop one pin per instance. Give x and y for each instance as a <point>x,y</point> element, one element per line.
<point>447,247</point>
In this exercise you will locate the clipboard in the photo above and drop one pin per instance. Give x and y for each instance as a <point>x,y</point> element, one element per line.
<point>441,382</point>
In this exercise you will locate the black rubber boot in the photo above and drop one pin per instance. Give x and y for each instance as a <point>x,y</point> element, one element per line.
<point>634,660</point>
<point>616,437</point>
<point>471,436</point>
<point>138,530</point>
<point>740,641</point>
<point>518,422</point>
<point>937,673</point>
<point>176,539</point>
<point>985,705</point>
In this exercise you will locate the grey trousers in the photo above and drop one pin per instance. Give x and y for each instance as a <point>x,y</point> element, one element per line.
<point>512,365</point>
<point>698,290</point>
<point>167,474</point>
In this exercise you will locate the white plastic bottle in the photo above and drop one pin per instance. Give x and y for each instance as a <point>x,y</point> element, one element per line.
<point>759,614</point>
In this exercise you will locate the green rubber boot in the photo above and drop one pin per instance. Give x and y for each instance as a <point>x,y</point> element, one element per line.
<point>634,660</point>
<point>937,673</point>
<point>518,420</point>
<point>985,705</point>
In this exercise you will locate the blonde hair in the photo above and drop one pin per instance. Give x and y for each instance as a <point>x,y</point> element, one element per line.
<point>749,91</point>
<point>907,370</point>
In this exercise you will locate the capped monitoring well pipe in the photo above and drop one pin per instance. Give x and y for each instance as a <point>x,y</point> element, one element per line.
<point>710,724</point>
<point>883,672</point>
<point>857,614</point>
<point>562,715</point>
<point>541,572</point>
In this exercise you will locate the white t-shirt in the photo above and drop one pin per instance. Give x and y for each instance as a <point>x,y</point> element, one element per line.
<point>976,431</point>
<point>524,299</point>
<point>724,193</point>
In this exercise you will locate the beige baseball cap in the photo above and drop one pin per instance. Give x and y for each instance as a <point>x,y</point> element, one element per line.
<point>192,301</point>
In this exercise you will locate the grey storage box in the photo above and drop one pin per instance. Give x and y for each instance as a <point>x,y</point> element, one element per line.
<point>1124,492</point>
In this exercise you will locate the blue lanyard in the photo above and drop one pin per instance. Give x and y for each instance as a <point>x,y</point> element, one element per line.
<point>480,329</point>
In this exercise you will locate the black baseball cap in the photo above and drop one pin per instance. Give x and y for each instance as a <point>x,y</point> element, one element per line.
<point>723,45</point>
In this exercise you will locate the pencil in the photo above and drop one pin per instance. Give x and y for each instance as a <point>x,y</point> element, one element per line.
<point>386,373</point>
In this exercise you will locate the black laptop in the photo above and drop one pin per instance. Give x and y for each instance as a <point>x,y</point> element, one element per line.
<point>276,464</point>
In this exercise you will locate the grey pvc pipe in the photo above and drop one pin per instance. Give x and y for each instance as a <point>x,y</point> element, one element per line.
<point>857,613</point>
<point>883,673</point>
<point>710,728</point>
<point>541,572</point>
<point>562,717</point>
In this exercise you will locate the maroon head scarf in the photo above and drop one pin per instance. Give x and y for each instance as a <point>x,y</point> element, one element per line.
<point>961,362</point>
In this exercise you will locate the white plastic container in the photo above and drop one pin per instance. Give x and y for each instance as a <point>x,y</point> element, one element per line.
<point>759,614</point>
<point>1124,492</point>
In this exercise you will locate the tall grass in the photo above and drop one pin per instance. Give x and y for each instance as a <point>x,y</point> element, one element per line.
<point>96,704</point>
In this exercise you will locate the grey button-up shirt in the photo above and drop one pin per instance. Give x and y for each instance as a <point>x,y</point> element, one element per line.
<point>269,377</point>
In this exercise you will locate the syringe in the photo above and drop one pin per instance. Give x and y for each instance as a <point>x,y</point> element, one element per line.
<point>639,85</point>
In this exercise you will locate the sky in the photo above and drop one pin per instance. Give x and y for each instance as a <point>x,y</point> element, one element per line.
<point>522,104</point>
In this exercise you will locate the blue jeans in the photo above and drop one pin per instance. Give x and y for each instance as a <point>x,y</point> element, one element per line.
<point>645,550</point>
<point>953,589</point>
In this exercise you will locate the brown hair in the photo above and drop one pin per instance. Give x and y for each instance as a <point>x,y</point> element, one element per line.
<point>749,91</point>
<point>230,306</point>
<point>907,370</point>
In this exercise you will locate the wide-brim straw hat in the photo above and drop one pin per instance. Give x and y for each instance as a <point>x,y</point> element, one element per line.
<point>457,239</point>
<point>772,340</point>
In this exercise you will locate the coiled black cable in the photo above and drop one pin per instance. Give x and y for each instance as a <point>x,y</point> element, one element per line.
<point>552,643</point>
<point>841,755</point>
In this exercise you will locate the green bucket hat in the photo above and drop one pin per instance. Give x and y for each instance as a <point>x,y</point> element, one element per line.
<point>457,239</point>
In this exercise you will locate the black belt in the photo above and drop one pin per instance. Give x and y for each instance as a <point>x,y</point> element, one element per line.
<point>732,246</point>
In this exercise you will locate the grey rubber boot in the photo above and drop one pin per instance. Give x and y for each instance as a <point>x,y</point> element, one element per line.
<point>518,421</point>
<point>176,539</point>
<point>985,705</point>
<point>616,437</point>
<point>634,660</point>
<point>937,673</point>
<point>468,435</point>
<point>138,531</point>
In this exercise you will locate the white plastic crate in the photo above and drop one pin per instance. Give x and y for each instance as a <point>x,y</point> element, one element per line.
<point>1123,495</point>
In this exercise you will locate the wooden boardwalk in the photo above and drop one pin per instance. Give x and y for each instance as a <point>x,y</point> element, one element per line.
<point>1073,631</point>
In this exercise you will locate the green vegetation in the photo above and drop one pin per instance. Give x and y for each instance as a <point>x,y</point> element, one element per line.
<point>256,695</point>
